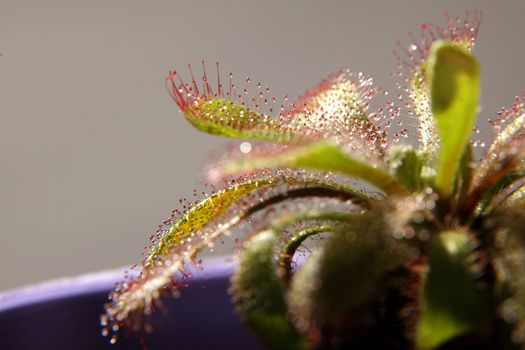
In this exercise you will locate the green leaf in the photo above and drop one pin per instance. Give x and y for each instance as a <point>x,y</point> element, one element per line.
<point>322,156</point>
<point>342,280</point>
<point>406,164</point>
<point>454,76</point>
<point>463,181</point>
<point>218,116</point>
<point>419,92</point>
<point>497,175</point>
<point>217,204</point>
<point>484,202</point>
<point>204,212</point>
<point>204,223</point>
<point>505,155</point>
<point>516,199</point>
<point>338,108</point>
<point>319,221</point>
<point>502,139</point>
<point>287,253</point>
<point>418,89</point>
<point>346,98</point>
<point>259,296</point>
<point>451,303</point>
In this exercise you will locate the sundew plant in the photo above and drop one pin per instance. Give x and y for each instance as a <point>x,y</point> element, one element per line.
<point>418,246</point>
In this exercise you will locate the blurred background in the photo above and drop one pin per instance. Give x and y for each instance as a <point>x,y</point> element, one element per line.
<point>94,153</point>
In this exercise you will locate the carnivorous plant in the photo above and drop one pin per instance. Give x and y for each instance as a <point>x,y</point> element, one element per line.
<point>413,242</point>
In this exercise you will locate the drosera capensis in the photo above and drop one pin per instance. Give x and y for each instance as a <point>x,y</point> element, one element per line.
<point>422,245</point>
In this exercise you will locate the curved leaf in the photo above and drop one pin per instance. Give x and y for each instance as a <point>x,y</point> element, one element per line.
<point>503,155</point>
<point>454,77</point>
<point>420,95</point>
<point>492,196</point>
<point>218,116</point>
<point>287,253</point>
<point>412,64</point>
<point>451,302</point>
<point>339,285</point>
<point>322,156</point>
<point>225,114</point>
<point>510,193</point>
<point>203,213</point>
<point>337,108</point>
<point>517,198</point>
<point>259,296</point>
<point>197,229</point>
<point>499,179</point>
<point>218,203</point>
<point>406,164</point>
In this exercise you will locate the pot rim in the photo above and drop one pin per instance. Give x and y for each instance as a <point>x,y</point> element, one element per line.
<point>98,282</point>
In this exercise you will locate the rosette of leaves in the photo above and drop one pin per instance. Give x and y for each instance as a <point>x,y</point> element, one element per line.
<point>422,246</point>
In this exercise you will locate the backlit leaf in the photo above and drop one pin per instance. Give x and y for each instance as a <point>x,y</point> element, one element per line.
<point>501,152</point>
<point>412,62</point>
<point>221,117</point>
<point>202,213</point>
<point>451,303</point>
<point>323,156</point>
<point>259,296</point>
<point>454,77</point>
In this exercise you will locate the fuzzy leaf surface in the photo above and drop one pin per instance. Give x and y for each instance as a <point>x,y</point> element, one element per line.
<point>339,284</point>
<point>218,116</point>
<point>502,161</point>
<point>323,156</point>
<point>451,304</point>
<point>259,295</point>
<point>406,164</point>
<point>204,212</point>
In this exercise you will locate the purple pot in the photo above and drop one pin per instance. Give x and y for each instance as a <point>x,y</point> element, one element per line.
<point>64,314</point>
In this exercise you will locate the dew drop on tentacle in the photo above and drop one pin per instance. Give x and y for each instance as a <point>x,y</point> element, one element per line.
<point>414,90</point>
<point>257,104</point>
<point>245,147</point>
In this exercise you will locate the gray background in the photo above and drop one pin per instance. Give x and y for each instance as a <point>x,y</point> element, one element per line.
<point>93,152</point>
